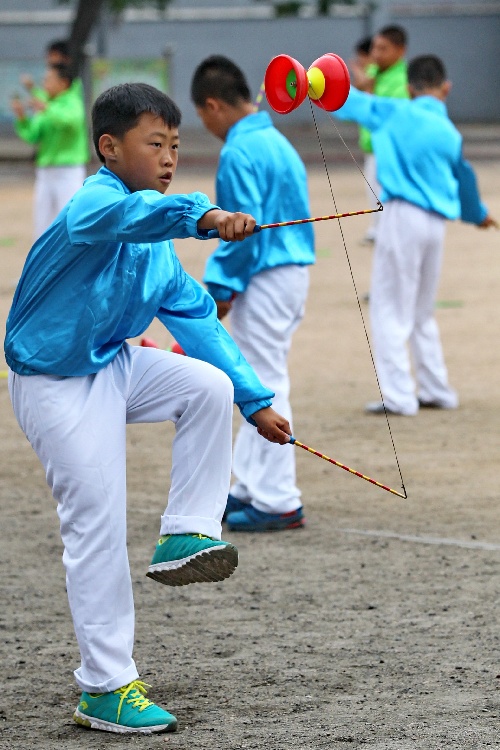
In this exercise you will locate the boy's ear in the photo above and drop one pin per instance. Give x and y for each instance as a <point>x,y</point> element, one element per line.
<point>212,104</point>
<point>107,146</point>
<point>447,88</point>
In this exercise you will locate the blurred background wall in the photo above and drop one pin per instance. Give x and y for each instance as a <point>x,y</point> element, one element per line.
<point>164,47</point>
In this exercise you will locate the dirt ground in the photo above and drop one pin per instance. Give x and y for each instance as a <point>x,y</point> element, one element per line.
<point>376,625</point>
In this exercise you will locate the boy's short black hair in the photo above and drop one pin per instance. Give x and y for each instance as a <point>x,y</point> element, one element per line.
<point>59,45</point>
<point>426,71</point>
<point>117,110</point>
<point>395,34</point>
<point>64,72</point>
<point>220,78</point>
<point>364,45</point>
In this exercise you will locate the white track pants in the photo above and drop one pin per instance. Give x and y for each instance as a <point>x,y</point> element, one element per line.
<point>54,187</point>
<point>372,186</point>
<point>263,320</point>
<point>77,427</point>
<point>406,270</point>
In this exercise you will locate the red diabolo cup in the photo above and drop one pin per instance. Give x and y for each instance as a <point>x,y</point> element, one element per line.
<point>285,84</point>
<point>336,84</point>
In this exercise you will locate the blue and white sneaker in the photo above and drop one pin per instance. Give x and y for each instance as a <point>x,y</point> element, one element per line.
<point>232,505</point>
<point>251,519</point>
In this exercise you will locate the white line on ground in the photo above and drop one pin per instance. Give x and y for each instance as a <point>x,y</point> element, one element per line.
<point>424,539</point>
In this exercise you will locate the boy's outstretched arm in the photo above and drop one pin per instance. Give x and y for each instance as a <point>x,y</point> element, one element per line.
<point>366,109</point>
<point>272,426</point>
<point>231,226</point>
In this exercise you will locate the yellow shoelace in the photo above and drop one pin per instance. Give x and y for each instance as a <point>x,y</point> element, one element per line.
<point>134,693</point>
<point>163,539</point>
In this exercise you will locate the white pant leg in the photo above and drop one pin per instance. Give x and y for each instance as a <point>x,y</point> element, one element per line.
<point>67,180</point>
<point>430,368</point>
<point>198,399</point>
<point>77,428</point>
<point>54,187</point>
<point>370,169</point>
<point>263,320</point>
<point>399,249</point>
<point>43,202</point>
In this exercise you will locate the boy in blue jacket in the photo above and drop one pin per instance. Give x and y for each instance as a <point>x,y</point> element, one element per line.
<point>98,276</point>
<point>263,282</point>
<point>425,181</point>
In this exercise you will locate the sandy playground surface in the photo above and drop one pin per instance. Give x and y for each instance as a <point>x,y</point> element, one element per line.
<point>375,626</point>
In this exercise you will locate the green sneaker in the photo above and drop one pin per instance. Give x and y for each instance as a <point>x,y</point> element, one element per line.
<point>124,711</point>
<point>192,558</point>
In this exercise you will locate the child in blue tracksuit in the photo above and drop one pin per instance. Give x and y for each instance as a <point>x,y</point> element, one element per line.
<point>263,282</point>
<point>425,181</point>
<point>98,276</point>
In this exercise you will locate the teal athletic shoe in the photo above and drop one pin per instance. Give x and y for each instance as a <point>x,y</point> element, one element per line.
<point>180,559</point>
<point>251,519</point>
<point>124,711</point>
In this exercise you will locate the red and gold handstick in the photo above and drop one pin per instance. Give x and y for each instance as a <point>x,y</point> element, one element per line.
<point>214,234</point>
<point>293,441</point>
<point>259,227</point>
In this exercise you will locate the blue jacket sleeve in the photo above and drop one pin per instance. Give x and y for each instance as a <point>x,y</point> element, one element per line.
<point>99,214</point>
<point>366,109</point>
<point>472,210</point>
<point>191,317</point>
<point>229,268</point>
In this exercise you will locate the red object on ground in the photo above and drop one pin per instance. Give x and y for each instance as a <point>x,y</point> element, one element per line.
<point>177,349</point>
<point>149,342</point>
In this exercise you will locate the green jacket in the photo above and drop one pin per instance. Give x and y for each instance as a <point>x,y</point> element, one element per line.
<point>393,83</point>
<point>59,132</point>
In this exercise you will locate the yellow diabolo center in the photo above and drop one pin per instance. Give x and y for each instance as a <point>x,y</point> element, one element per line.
<point>317,83</point>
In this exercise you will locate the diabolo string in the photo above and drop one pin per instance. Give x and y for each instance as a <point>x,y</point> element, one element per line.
<point>352,276</point>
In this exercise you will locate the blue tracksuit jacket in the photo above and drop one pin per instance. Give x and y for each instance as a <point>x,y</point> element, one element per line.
<point>100,274</point>
<point>419,154</point>
<point>260,173</point>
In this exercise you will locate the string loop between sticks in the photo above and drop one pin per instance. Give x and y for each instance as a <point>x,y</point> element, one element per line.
<point>380,207</point>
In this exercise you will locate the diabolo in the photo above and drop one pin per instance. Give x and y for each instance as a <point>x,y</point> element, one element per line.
<point>287,83</point>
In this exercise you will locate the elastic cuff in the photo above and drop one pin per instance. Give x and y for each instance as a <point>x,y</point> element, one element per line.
<point>219,292</point>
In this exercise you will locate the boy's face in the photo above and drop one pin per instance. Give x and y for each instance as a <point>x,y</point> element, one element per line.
<point>55,58</point>
<point>53,83</point>
<point>384,53</point>
<point>146,157</point>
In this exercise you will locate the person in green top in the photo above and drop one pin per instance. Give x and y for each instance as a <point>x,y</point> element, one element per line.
<point>57,128</point>
<point>384,75</point>
<point>56,53</point>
